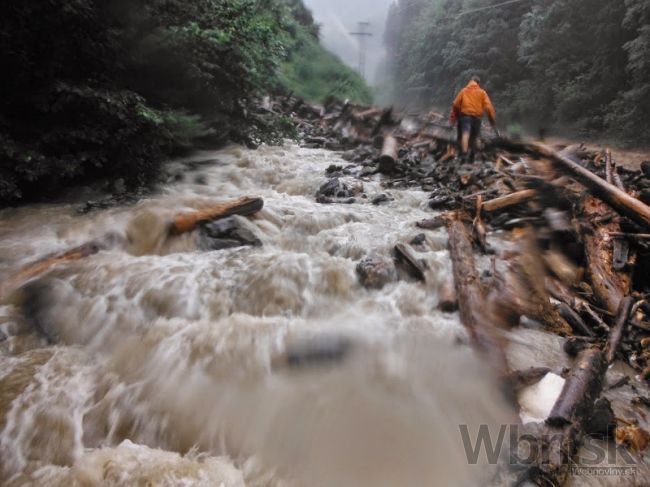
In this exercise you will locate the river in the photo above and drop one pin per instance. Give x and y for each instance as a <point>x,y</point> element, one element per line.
<point>167,364</point>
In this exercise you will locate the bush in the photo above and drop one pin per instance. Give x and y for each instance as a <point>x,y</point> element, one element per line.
<point>108,88</point>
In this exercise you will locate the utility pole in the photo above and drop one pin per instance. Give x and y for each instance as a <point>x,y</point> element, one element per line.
<point>363,35</point>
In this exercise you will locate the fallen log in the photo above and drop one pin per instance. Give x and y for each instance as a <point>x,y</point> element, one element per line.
<point>572,414</point>
<point>509,200</point>
<point>433,223</point>
<point>609,285</point>
<point>559,438</point>
<point>186,222</point>
<point>389,155</point>
<point>471,302</point>
<point>618,199</point>
<point>581,389</point>
<point>108,241</point>
<point>414,267</point>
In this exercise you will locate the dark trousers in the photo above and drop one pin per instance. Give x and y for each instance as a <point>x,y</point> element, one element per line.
<point>471,125</point>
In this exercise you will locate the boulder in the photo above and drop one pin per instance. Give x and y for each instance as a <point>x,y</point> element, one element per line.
<point>226,233</point>
<point>375,272</point>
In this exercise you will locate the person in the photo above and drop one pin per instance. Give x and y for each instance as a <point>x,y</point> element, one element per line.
<point>469,107</point>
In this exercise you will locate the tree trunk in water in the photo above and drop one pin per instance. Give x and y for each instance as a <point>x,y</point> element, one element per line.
<point>186,222</point>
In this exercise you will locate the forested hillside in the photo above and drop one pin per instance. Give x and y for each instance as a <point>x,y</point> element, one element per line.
<point>108,88</point>
<point>548,63</point>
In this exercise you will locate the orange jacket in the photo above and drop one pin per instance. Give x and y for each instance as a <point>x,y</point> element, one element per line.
<point>473,101</point>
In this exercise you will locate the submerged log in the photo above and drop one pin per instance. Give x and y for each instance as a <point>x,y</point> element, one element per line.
<point>186,222</point>
<point>389,155</point>
<point>471,302</point>
<point>108,241</point>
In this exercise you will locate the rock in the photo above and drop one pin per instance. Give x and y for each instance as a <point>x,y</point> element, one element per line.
<point>447,299</point>
<point>439,202</point>
<point>645,168</point>
<point>220,228</point>
<point>379,199</point>
<point>226,233</point>
<point>324,200</point>
<point>602,422</point>
<point>201,179</point>
<point>376,272</point>
<point>221,244</point>
<point>334,187</point>
<point>333,168</point>
<point>419,239</point>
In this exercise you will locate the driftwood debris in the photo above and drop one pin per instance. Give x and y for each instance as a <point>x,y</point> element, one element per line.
<point>618,199</point>
<point>40,266</point>
<point>616,334</point>
<point>388,157</point>
<point>509,200</point>
<point>609,285</point>
<point>572,249</point>
<point>471,301</point>
<point>404,254</point>
<point>186,222</point>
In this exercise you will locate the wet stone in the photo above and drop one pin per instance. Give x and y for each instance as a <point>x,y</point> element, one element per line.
<point>419,239</point>
<point>645,168</point>
<point>379,199</point>
<point>226,233</point>
<point>376,272</point>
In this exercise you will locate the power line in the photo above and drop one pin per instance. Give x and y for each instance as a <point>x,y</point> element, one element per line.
<point>465,12</point>
<point>488,7</point>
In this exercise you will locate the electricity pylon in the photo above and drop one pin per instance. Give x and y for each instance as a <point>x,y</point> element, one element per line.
<point>363,35</point>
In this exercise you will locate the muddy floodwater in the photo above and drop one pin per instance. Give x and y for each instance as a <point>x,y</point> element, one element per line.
<point>160,362</point>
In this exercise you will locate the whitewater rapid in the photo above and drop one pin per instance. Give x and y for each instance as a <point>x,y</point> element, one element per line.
<point>164,364</point>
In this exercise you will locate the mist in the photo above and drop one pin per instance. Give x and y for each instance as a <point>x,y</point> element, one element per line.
<point>338,18</point>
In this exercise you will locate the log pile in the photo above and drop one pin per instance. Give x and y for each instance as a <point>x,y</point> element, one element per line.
<point>579,227</point>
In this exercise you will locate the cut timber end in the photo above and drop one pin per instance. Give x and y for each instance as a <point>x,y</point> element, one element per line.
<point>186,222</point>
<point>389,155</point>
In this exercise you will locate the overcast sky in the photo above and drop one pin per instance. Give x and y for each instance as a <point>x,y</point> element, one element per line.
<point>339,17</point>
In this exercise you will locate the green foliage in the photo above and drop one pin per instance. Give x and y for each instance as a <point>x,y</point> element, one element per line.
<point>315,74</point>
<point>108,88</point>
<point>583,64</point>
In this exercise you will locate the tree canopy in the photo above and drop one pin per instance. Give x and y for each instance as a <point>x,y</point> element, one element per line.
<point>108,88</point>
<point>574,64</point>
